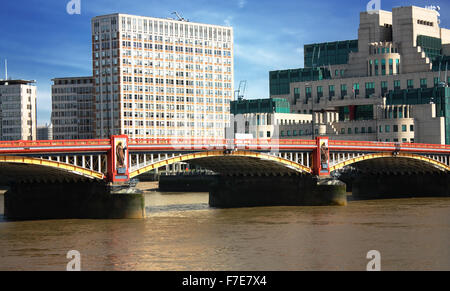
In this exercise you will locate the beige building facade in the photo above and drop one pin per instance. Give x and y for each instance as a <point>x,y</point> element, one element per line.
<point>17,110</point>
<point>161,78</point>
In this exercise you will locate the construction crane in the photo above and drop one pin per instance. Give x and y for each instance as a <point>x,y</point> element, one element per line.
<point>179,17</point>
<point>240,92</point>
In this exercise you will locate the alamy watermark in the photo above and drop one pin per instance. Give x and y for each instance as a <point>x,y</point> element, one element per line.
<point>74,7</point>
<point>375,261</point>
<point>373,6</point>
<point>75,261</point>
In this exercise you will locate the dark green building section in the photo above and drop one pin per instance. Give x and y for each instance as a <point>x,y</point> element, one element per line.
<point>273,105</point>
<point>356,112</point>
<point>329,53</point>
<point>280,81</point>
<point>441,62</point>
<point>438,95</point>
<point>432,46</point>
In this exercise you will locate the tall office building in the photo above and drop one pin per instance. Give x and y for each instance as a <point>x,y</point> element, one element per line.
<point>161,78</point>
<point>388,85</point>
<point>17,110</point>
<point>73,108</point>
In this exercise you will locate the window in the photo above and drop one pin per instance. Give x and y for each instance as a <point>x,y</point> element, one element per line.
<point>395,128</point>
<point>410,84</point>
<point>397,63</point>
<point>282,133</point>
<point>342,130</point>
<point>381,128</point>
<point>363,130</point>
<point>391,67</point>
<point>397,85</point>
<point>404,140</point>
<point>384,87</point>
<point>411,128</point>
<point>296,93</point>
<point>343,90</point>
<point>370,89</point>
<point>336,73</point>
<point>369,129</point>
<point>356,130</point>
<point>423,83</point>
<point>349,131</point>
<point>387,128</point>
<point>436,81</point>
<point>356,89</point>
<point>383,67</point>
<point>268,134</point>
<point>376,67</point>
<point>308,92</point>
<point>331,89</point>
<point>319,92</point>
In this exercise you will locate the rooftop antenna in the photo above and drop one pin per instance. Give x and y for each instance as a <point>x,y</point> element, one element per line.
<point>6,69</point>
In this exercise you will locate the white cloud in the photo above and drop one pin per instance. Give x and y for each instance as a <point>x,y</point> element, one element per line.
<point>242,3</point>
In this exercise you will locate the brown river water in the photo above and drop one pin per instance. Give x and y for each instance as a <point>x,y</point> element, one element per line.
<point>183,233</point>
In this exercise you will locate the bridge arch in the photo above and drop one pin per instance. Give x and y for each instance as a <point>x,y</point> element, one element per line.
<point>405,161</point>
<point>17,168</point>
<point>227,162</point>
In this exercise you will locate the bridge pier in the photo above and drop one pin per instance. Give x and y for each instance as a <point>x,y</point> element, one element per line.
<point>229,192</point>
<point>386,186</point>
<point>82,200</point>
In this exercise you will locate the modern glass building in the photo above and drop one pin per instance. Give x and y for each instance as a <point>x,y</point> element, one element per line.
<point>389,78</point>
<point>329,53</point>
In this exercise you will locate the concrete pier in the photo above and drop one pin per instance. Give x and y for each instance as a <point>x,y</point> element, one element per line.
<point>73,201</point>
<point>229,192</point>
<point>401,186</point>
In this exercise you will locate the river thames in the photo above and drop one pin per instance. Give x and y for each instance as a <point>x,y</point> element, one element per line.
<point>183,233</point>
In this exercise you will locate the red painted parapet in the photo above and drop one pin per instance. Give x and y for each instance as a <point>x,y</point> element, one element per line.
<point>118,159</point>
<point>321,157</point>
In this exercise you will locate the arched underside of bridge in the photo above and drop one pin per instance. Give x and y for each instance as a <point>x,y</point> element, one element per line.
<point>24,169</point>
<point>386,163</point>
<point>237,163</point>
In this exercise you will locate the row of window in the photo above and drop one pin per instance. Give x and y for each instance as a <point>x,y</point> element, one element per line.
<point>395,128</point>
<point>383,50</point>
<point>377,67</point>
<point>369,86</point>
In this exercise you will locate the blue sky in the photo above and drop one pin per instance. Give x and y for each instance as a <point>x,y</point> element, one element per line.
<point>42,41</point>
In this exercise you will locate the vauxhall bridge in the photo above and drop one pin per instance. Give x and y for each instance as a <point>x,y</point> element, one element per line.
<point>88,178</point>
